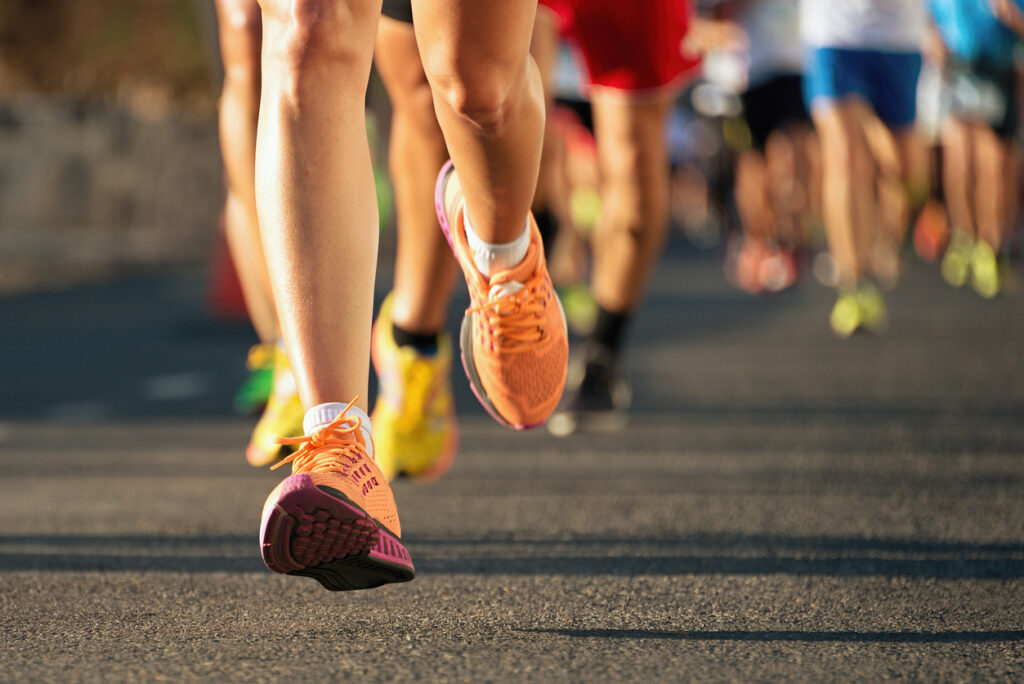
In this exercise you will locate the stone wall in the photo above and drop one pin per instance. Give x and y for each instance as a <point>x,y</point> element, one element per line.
<point>87,187</point>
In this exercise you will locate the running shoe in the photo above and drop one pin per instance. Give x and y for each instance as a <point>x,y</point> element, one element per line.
<point>414,426</point>
<point>871,306</point>
<point>956,262</point>
<point>985,270</point>
<point>930,232</point>
<point>252,396</point>
<point>597,396</point>
<point>334,518</point>
<point>845,316</point>
<point>514,342</point>
<point>281,418</point>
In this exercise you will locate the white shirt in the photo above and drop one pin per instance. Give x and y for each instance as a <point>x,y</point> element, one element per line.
<point>886,25</point>
<point>773,27</point>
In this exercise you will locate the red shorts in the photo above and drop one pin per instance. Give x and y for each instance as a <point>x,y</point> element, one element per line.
<point>631,45</point>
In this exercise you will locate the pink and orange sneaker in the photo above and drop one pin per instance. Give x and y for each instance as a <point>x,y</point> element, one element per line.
<point>334,518</point>
<point>514,343</point>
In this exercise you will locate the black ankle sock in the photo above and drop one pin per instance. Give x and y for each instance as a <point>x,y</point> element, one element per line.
<point>609,329</point>
<point>547,224</point>
<point>423,343</point>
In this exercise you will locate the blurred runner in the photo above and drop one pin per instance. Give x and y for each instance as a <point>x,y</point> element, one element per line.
<point>335,517</point>
<point>772,176</point>
<point>415,430</point>
<point>862,68</point>
<point>270,386</point>
<point>975,49</point>
<point>636,68</point>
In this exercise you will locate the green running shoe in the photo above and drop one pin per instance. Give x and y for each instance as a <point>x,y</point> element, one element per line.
<point>252,396</point>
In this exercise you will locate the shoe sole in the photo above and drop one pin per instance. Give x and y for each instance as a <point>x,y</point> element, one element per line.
<point>315,531</point>
<point>466,330</point>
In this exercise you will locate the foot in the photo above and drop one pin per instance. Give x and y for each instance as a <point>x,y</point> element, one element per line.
<point>514,343</point>
<point>415,432</point>
<point>956,263</point>
<point>985,270</point>
<point>845,316</point>
<point>282,417</point>
<point>254,393</point>
<point>597,396</point>
<point>334,518</point>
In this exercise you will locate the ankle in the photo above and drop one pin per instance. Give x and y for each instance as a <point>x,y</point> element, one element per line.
<point>489,257</point>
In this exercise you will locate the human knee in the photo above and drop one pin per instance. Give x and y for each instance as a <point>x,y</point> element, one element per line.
<point>480,92</point>
<point>303,36</point>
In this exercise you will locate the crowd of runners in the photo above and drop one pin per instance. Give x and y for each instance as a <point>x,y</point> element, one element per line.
<point>550,183</point>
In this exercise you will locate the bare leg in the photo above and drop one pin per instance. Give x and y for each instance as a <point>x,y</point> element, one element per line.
<point>315,192</point>
<point>424,266</point>
<point>240,29</point>
<point>990,187</point>
<point>635,193</point>
<point>957,178</point>
<point>848,186</point>
<point>544,49</point>
<point>752,196</point>
<point>489,102</point>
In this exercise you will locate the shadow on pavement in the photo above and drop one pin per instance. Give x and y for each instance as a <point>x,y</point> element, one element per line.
<point>734,555</point>
<point>795,635</point>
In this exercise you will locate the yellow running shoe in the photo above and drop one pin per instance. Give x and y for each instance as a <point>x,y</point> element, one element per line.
<point>873,317</point>
<point>414,425</point>
<point>282,417</point>
<point>845,317</point>
<point>956,262</point>
<point>984,270</point>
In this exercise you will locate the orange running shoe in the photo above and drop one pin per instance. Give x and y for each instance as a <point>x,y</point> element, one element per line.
<point>334,518</point>
<point>514,342</point>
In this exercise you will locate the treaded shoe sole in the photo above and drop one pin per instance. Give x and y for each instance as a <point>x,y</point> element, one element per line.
<point>466,331</point>
<point>315,531</point>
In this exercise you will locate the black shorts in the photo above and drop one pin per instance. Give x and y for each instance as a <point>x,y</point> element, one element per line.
<point>772,105</point>
<point>400,10</point>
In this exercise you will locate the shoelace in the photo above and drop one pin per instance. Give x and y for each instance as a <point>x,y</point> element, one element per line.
<point>512,318</point>
<point>325,449</point>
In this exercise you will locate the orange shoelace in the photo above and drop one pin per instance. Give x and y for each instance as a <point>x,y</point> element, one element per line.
<point>513,322</point>
<point>326,449</point>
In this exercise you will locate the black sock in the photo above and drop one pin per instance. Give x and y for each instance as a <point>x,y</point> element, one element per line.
<point>425,344</point>
<point>609,329</point>
<point>547,224</point>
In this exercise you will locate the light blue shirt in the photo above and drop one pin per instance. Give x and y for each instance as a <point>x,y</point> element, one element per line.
<point>972,32</point>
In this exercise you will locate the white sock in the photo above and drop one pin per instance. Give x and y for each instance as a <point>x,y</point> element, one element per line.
<point>322,414</point>
<point>493,258</point>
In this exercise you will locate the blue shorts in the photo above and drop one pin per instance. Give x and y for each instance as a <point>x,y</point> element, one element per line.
<point>887,80</point>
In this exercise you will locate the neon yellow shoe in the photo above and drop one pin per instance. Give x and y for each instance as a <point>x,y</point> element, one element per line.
<point>873,317</point>
<point>414,427</point>
<point>985,270</point>
<point>956,262</point>
<point>845,317</point>
<point>282,417</point>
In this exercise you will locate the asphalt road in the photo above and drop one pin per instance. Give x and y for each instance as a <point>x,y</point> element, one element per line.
<point>783,506</point>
